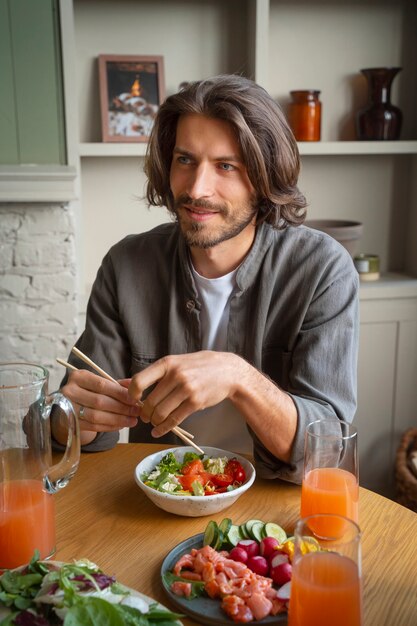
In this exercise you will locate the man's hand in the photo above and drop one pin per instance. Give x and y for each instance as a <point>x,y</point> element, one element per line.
<point>107,406</point>
<point>185,383</point>
<point>190,382</point>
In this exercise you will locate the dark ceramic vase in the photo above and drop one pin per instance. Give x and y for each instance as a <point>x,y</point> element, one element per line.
<point>380,119</point>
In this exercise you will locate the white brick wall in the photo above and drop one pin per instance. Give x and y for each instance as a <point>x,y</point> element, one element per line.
<point>38,299</point>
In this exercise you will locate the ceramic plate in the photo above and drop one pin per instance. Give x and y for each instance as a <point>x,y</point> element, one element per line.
<point>5,611</point>
<point>202,609</point>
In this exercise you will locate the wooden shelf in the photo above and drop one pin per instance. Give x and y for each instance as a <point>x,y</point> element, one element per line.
<point>314,148</point>
<point>389,285</point>
<point>112,149</point>
<point>346,148</point>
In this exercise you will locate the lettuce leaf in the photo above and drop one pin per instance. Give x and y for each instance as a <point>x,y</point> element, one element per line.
<point>197,586</point>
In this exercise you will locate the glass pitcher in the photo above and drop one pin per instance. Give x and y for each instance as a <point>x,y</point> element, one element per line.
<point>27,477</point>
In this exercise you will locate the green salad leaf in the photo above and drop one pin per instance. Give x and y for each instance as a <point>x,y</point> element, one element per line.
<point>99,612</point>
<point>197,586</point>
<point>74,594</point>
<point>18,588</point>
<point>169,464</point>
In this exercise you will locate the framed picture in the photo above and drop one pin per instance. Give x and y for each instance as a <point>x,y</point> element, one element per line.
<point>131,90</point>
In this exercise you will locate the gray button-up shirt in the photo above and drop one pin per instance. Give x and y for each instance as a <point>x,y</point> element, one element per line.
<point>294,316</point>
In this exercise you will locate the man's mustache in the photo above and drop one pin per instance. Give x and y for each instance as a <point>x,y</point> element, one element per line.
<point>199,203</point>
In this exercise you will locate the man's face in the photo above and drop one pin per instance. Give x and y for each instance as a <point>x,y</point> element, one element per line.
<point>214,199</point>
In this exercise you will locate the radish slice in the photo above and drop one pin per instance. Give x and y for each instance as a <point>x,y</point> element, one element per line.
<point>284,592</point>
<point>281,574</point>
<point>277,559</point>
<point>250,546</point>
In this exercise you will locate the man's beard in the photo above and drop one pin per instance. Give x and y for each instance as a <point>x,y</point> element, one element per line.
<point>199,235</point>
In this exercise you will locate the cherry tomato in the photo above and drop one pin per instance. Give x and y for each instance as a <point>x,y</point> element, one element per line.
<point>240,475</point>
<point>235,469</point>
<point>222,480</point>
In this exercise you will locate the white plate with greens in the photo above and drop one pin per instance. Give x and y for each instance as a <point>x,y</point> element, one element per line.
<point>47,592</point>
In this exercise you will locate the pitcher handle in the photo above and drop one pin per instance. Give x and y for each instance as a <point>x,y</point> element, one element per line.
<point>58,476</point>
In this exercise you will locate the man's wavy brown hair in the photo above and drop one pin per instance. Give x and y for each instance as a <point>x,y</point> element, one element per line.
<point>268,147</point>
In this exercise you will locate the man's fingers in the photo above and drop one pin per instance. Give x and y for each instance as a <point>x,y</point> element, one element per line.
<point>104,421</point>
<point>174,419</point>
<point>106,406</point>
<point>147,377</point>
<point>87,381</point>
<point>158,407</point>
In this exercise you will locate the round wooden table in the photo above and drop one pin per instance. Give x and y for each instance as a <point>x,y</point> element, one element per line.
<point>102,515</point>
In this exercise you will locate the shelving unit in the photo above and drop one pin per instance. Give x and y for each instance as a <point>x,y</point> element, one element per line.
<point>283,45</point>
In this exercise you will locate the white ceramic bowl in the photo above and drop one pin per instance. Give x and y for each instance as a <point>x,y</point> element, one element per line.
<point>193,506</point>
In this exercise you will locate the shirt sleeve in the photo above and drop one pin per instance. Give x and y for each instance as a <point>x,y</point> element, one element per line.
<point>323,372</point>
<point>104,340</point>
<point>103,441</point>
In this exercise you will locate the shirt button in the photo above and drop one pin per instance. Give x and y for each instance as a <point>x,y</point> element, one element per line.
<point>190,305</point>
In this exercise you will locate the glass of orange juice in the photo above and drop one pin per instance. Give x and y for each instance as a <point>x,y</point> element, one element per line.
<point>326,585</point>
<point>27,477</point>
<point>331,474</point>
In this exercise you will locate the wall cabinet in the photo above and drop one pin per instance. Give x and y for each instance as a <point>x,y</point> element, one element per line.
<point>283,45</point>
<point>32,119</point>
<point>33,156</point>
<point>387,374</point>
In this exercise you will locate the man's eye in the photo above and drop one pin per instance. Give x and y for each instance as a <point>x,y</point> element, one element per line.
<point>184,160</point>
<point>227,167</point>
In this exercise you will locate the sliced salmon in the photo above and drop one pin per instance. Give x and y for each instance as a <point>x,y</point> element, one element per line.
<point>245,596</point>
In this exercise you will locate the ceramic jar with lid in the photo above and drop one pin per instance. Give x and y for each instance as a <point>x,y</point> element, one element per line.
<point>304,115</point>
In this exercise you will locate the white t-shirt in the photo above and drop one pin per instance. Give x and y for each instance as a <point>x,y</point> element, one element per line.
<point>220,426</point>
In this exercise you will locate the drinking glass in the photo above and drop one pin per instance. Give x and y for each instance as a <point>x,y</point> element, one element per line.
<point>330,476</point>
<point>326,584</point>
<point>27,477</point>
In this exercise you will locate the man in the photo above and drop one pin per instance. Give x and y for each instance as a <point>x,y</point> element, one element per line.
<point>235,321</point>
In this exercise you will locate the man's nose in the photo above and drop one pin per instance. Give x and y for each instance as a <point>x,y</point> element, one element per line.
<point>201,183</point>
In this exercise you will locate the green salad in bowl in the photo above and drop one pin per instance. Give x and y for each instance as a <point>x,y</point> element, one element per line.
<point>195,475</point>
<point>185,483</point>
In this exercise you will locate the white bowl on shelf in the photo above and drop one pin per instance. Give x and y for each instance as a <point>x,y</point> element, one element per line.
<point>193,506</point>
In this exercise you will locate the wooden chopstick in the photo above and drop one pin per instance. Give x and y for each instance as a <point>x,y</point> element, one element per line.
<point>180,432</point>
<point>91,363</point>
<point>66,364</point>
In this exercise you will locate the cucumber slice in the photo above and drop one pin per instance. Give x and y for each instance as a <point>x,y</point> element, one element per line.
<point>225,525</point>
<point>257,530</point>
<point>219,541</point>
<point>249,525</point>
<point>243,532</point>
<point>273,530</point>
<point>233,535</point>
<point>211,534</point>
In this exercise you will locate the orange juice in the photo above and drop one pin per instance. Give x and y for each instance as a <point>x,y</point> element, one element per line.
<point>330,490</point>
<point>27,522</point>
<point>325,591</point>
